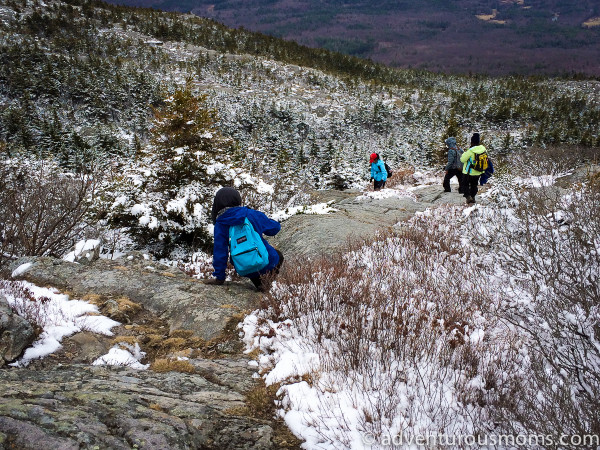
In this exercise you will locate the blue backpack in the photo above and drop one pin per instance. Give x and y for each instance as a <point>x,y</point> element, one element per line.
<point>248,251</point>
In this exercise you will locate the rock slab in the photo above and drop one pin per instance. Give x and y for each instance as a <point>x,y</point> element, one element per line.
<point>16,334</point>
<point>357,217</point>
<point>77,406</point>
<point>184,302</point>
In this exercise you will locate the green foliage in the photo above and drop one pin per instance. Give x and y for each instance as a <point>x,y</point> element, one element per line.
<point>185,139</point>
<point>165,200</point>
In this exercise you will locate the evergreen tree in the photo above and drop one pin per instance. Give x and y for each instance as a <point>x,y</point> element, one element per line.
<point>185,139</point>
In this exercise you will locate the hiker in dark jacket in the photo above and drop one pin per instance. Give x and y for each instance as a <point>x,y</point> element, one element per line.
<point>227,210</point>
<point>454,166</point>
<point>378,172</point>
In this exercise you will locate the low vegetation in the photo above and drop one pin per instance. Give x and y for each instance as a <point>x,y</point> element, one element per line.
<point>480,322</point>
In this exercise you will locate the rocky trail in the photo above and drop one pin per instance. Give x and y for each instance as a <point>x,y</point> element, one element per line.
<point>213,399</point>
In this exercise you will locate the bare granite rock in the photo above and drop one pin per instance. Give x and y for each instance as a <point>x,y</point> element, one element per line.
<point>358,216</point>
<point>78,406</point>
<point>16,334</point>
<point>184,302</point>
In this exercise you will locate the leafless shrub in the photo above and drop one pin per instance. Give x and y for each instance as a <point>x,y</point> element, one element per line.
<point>550,248</point>
<point>42,210</point>
<point>33,309</point>
<point>550,160</point>
<point>397,320</point>
<point>401,176</point>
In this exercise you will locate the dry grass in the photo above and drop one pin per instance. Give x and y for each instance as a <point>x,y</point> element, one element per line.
<point>172,365</point>
<point>156,407</point>
<point>260,404</point>
<point>122,309</point>
<point>130,340</point>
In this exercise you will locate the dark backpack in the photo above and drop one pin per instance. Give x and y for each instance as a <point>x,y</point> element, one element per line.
<point>388,170</point>
<point>480,162</point>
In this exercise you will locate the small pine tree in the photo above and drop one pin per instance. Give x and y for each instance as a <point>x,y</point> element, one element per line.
<point>186,161</point>
<point>185,138</point>
<point>439,152</point>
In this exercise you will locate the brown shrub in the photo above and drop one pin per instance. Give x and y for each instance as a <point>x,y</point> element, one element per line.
<point>172,365</point>
<point>42,210</point>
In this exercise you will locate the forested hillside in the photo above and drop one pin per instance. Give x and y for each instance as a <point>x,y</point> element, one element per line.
<point>90,86</point>
<point>481,36</point>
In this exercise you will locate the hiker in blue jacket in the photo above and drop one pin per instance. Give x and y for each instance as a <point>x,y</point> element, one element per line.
<point>227,210</point>
<point>378,172</point>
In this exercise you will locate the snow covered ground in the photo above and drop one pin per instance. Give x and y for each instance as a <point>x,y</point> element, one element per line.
<point>464,336</point>
<point>418,336</point>
<point>59,317</point>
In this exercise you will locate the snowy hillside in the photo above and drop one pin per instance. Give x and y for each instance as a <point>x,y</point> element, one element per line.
<point>472,327</point>
<point>85,84</point>
<point>117,127</point>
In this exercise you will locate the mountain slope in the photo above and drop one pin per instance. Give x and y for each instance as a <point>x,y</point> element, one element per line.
<point>493,37</point>
<point>88,85</point>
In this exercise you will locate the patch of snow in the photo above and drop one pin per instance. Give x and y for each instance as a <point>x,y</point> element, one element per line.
<point>386,193</point>
<point>21,269</point>
<point>80,248</point>
<point>59,317</point>
<point>130,356</point>
<point>320,208</point>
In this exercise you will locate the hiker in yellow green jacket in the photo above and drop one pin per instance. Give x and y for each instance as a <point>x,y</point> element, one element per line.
<point>474,158</point>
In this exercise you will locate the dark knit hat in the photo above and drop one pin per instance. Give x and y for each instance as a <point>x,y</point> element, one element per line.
<point>226,197</point>
<point>475,140</point>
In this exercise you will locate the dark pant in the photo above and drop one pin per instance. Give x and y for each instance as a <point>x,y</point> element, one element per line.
<point>453,173</point>
<point>378,185</point>
<point>470,184</point>
<point>256,280</point>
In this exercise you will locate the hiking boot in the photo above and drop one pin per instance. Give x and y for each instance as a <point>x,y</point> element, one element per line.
<point>470,200</point>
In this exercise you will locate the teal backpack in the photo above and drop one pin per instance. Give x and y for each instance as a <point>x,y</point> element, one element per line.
<point>248,251</point>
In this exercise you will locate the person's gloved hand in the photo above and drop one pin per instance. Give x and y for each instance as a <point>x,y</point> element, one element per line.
<point>214,281</point>
<point>372,179</point>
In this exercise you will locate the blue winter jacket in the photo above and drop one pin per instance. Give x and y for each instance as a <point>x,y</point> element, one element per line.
<point>378,172</point>
<point>487,174</point>
<point>234,216</point>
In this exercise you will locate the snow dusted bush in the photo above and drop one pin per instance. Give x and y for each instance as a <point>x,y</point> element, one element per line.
<point>164,200</point>
<point>549,247</point>
<point>43,210</point>
<point>480,322</point>
<point>395,337</point>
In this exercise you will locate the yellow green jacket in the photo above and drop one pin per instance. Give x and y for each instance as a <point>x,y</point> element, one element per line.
<point>467,159</point>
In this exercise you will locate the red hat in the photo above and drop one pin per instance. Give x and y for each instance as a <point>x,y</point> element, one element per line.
<point>374,156</point>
